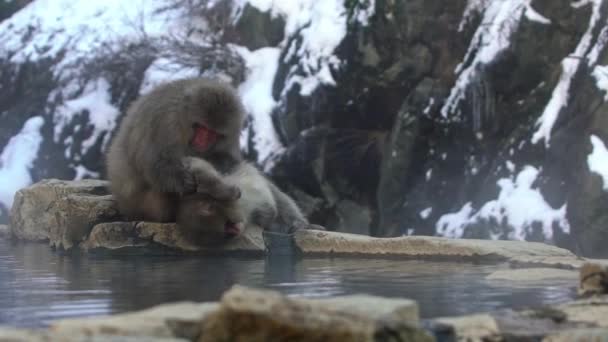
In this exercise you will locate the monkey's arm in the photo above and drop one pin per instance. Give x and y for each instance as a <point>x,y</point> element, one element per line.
<point>209,181</point>
<point>163,170</point>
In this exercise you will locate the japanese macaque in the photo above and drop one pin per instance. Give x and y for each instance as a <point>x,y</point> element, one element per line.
<point>261,203</point>
<point>149,162</point>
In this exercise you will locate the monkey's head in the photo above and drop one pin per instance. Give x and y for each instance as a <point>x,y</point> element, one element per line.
<point>214,118</point>
<point>207,221</point>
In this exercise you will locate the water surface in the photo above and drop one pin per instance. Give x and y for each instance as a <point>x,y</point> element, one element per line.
<point>39,285</point>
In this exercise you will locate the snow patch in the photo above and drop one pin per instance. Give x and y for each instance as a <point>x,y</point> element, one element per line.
<point>519,205</point>
<point>601,79</point>
<point>256,93</point>
<point>500,21</point>
<point>17,159</point>
<point>426,213</point>
<point>533,15</point>
<point>95,99</point>
<point>570,65</point>
<point>321,25</point>
<point>598,160</point>
<point>163,70</point>
<point>453,225</point>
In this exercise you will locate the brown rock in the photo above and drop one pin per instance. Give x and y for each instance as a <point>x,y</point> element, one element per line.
<point>62,212</point>
<point>255,315</point>
<point>119,235</point>
<point>165,321</point>
<point>593,279</point>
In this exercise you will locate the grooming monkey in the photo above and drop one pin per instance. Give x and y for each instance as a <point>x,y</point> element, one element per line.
<point>149,162</point>
<point>261,203</point>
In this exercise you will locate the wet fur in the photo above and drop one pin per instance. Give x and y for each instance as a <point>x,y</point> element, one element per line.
<point>149,163</point>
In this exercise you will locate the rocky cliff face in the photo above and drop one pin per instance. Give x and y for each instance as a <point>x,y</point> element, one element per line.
<point>478,118</point>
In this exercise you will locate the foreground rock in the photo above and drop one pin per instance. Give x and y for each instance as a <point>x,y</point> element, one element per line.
<point>245,314</point>
<point>585,320</point>
<point>179,320</point>
<point>253,315</point>
<point>61,212</point>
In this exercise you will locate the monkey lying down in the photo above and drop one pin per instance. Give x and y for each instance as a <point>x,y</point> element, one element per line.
<point>206,220</point>
<point>170,154</point>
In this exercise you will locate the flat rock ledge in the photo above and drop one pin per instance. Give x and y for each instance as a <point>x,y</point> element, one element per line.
<point>245,314</point>
<point>82,215</point>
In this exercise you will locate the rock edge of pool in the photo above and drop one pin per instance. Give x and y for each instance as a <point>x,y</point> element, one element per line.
<point>81,216</point>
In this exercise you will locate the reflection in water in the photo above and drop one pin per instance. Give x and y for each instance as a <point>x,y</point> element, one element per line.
<point>38,285</point>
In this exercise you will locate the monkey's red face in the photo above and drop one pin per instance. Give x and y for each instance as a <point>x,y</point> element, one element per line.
<point>204,137</point>
<point>232,229</point>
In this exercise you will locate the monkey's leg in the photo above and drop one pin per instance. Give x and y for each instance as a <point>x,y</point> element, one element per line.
<point>209,181</point>
<point>289,214</point>
<point>157,207</point>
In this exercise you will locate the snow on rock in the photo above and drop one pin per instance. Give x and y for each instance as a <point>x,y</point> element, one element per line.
<point>80,27</point>
<point>452,225</point>
<point>83,30</point>
<point>598,160</point>
<point>17,159</point>
<point>163,70</point>
<point>519,205</point>
<point>584,50</point>
<point>322,27</point>
<point>95,99</point>
<point>533,15</point>
<point>424,214</point>
<point>500,21</point>
<point>256,93</point>
<point>601,79</point>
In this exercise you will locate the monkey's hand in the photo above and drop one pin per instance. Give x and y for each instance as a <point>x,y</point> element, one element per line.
<point>209,181</point>
<point>221,191</point>
<point>300,225</point>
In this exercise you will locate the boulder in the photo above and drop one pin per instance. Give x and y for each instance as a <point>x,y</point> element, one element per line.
<point>61,212</point>
<point>176,320</point>
<point>255,315</point>
<point>593,279</point>
<point>17,335</point>
<point>574,321</point>
<point>117,236</point>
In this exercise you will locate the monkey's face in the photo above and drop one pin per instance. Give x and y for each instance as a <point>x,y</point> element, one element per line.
<point>210,222</point>
<point>203,138</point>
<point>215,115</point>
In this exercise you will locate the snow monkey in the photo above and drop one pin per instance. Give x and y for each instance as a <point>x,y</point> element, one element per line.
<point>261,203</point>
<point>149,162</point>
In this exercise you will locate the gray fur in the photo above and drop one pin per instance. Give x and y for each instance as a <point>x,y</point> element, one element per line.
<point>148,163</point>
